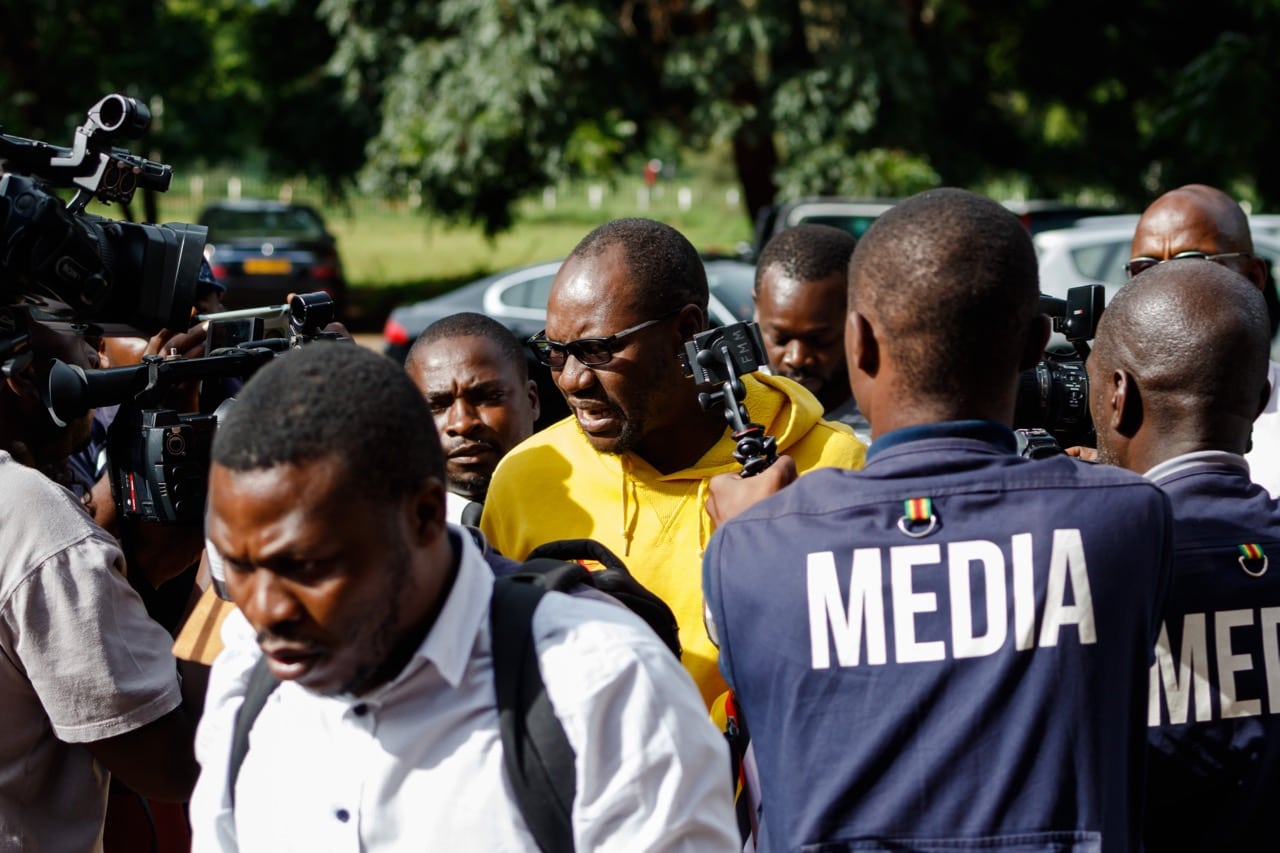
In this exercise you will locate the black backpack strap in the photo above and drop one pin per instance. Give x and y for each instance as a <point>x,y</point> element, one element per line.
<point>536,751</point>
<point>578,549</point>
<point>260,686</point>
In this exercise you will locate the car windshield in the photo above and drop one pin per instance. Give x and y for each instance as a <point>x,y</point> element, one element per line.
<point>229,223</point>
<point>732,284</point>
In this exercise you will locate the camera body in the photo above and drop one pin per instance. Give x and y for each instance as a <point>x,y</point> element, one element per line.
<point>159,463</point>
<point>124,277</point>
<point>724,353</point>
<point>1053,397</point>
<point>158,458</point>
<point>717,358</point>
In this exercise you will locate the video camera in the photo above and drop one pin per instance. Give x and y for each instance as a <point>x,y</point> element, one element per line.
<point>158,458</point>
<point>59,265</point>
<point>1052,409</point>
<point>718,358</point>
<point>76,267</point>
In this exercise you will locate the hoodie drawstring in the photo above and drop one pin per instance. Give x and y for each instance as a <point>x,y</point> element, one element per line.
<point>631,502</point>
<point>704,519</point>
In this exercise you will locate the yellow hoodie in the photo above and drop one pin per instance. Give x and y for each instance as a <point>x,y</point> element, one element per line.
<point>555,485</point>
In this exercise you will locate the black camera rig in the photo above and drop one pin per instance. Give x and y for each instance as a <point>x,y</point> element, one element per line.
<point>158,458</point>
<point>1052,409</point>
<point>71,266</point>
<point>60,265</point>
<point>718,358</point>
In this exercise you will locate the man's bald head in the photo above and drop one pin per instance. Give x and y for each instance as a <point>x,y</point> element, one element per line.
<point>949,279</point>
<point>1189,342</point>
<point>1198,218</point>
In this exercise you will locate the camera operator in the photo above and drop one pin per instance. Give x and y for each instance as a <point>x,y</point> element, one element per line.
<point>630,467</point>
<point>949,648</point>
<point>88,687</point>
<point>1177,376</point>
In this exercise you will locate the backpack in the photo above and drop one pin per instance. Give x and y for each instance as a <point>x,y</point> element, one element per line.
<point>538,757</point>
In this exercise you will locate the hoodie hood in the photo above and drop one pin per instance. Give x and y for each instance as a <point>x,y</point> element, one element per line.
<point>787,416</point>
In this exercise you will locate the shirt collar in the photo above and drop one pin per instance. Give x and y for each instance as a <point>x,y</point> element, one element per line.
<point>1197,460</point>
<point>992,432</point>
<point>451,639</point>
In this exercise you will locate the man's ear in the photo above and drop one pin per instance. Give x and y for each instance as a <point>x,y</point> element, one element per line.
<point>1124,409</point>
<point>1263,399</point>
<point>1257,272</point>
<point>428,511</point>
<point>23,383</point>
<point>862,348</point>
<point>1037,339</point>
<point>689,322</point>
<point>535,405</point>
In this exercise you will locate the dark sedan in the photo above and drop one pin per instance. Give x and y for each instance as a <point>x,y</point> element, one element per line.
<point>265,250</point>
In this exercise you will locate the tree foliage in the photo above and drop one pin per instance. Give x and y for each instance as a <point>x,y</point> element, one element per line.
<point>476,103</point>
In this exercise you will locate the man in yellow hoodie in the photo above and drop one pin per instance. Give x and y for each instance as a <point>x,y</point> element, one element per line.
<point>630,466</point>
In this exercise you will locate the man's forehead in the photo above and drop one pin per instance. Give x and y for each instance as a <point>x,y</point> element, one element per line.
<point>1182,221</point>
<point>469,358</point>
<point>592,291</point>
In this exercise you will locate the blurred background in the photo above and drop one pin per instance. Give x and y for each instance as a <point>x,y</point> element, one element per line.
<point>394,151</point>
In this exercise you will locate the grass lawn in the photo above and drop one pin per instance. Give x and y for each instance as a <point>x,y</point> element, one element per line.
<point>396,257</point>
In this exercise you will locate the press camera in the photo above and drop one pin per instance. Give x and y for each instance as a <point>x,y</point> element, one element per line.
<point>76,267</point>
<point>60,265</point>
<point>1052,409</point>
<point>718,358</point>
<point>157,457</point>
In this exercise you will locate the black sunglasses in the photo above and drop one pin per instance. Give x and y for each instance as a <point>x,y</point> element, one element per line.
<point>1137,265</point>
<point>592,352</point>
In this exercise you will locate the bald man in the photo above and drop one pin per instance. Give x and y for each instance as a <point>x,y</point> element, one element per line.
<point>1177,375</point>
<point>949,649</point>
<point>1205,223</point>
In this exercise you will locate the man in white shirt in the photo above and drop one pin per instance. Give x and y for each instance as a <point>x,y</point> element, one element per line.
<point>473,372</point>
<point>1201,222</point>
<point>374,613</point>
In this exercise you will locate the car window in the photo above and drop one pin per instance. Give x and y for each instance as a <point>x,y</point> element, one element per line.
<point>1102,262</point>
<point>855,224</point>
<point>532,293</point>
<point>733,285</point>
<point>297,222</point>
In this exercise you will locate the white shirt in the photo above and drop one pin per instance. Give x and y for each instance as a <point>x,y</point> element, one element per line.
<point>1264,458</point>
<point>417,763</point>
<point>454,504</point>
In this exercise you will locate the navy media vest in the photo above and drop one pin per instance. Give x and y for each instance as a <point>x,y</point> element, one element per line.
<point>948,649</point>
<point>1215,687</point>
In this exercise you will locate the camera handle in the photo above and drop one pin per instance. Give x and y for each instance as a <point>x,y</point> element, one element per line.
<point>755,451</point>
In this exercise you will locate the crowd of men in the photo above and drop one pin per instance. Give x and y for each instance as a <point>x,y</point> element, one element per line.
<point>901,635</point>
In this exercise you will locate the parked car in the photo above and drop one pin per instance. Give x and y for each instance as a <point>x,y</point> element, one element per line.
<point>855,215</point>
<point>518,299</point>
<point>264,250</point>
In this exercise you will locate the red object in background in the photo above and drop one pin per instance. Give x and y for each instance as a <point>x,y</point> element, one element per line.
<point>651,171</point>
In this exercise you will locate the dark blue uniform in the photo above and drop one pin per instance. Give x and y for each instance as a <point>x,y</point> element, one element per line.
<point>948,649</point>
<point>1215,686</point>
